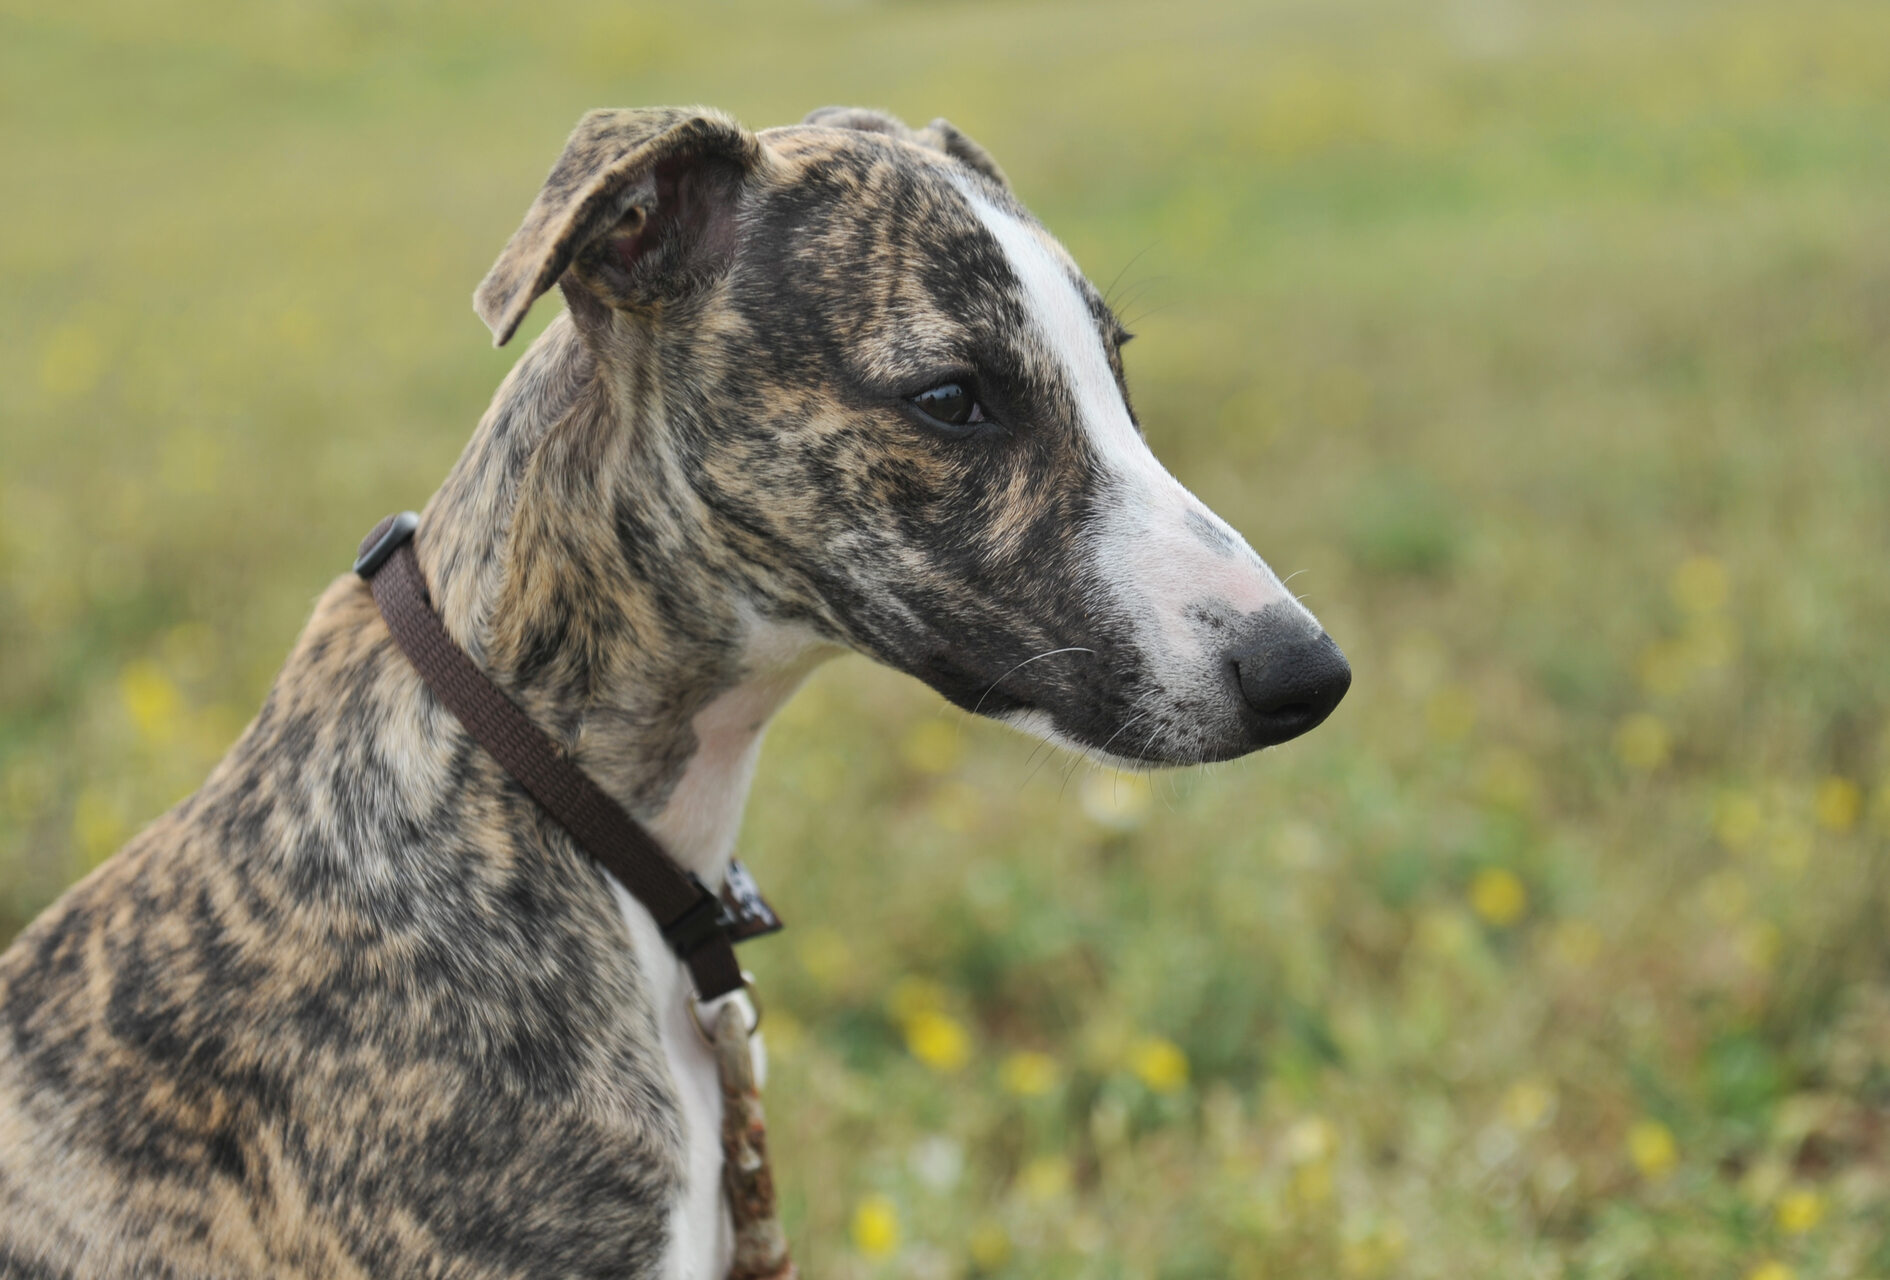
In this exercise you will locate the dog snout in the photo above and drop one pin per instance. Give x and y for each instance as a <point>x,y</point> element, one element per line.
<point>1290,674</point>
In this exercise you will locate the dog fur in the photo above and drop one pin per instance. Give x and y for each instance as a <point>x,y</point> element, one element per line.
<point>357,1007</point>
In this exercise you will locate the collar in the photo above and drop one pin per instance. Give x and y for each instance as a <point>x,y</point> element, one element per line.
<point>701,927</point>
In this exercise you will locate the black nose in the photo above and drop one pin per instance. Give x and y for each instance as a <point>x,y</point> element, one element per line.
<point>1291,676</point>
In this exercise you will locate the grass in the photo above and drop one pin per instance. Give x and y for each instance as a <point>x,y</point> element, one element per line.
<point>1550,343</point>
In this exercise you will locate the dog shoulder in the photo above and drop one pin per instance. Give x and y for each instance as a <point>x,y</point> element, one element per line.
<point>297,1029</point>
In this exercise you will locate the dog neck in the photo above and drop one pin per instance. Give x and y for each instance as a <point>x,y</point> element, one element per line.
<point>567,555</point>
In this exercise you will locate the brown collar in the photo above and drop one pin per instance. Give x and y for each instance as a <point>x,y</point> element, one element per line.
<point>699,927</point>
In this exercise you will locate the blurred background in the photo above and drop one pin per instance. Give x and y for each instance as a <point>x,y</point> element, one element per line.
<point>1548,344</point>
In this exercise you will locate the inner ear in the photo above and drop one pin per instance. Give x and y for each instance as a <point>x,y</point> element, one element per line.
<point>627,235</point>
<point>677,233</point>
<point>609,166</point>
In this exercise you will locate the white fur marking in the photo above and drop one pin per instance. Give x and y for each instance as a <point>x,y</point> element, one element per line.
<point>701,1237</point>
<point>697,828</point>
<point>1155,564</point>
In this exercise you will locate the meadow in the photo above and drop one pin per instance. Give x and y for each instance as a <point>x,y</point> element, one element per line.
<point>1549,346</point>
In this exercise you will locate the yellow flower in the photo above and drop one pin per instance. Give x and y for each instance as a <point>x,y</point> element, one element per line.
<point>1772,1270</point>
<point>1839,802</point>
<point>1498,895</point>
<point>1799,1211</point>
<point>876,1227</point>
<point>1044,1178</point>
<point>1528,1103</point>
<point>1642,741</point>
<point>1651,1146</point>
<point>933,746</point>
<point>1700,585</point>
<point>1028,1074</point>
<point>990,1246</point>
<point>938,1040</point>
<point>1160,1064</point>
<point>1736,819</point>
<point>151,699</point>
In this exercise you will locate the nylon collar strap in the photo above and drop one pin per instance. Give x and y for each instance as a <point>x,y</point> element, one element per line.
<point>698,926</point>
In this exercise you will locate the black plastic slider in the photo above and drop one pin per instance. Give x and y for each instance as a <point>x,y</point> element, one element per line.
<point>399,529</point>
<point>701,923</point>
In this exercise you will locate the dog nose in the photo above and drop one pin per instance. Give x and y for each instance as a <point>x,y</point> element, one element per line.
<point>1291,676</point>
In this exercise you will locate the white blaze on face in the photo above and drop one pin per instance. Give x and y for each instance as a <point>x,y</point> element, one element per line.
<point>1163,554</point>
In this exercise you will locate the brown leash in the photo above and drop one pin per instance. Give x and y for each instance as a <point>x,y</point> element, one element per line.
<point>699,926</point>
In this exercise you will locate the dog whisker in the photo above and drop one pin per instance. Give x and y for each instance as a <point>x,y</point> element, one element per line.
<point>1047,747</point>
<point>1143,715</point>
<point>1109,294</point>
<point>1050,653</point>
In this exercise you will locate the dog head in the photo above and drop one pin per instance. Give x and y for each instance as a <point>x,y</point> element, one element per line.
<point>897,410</point>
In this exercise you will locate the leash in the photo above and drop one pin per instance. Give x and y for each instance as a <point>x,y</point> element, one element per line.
<point>700,927</point>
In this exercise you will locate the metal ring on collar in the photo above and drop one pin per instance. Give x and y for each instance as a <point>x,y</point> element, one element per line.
<point>705,1018</point>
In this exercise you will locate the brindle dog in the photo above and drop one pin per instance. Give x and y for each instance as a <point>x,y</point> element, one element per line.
<point>358,1007</point>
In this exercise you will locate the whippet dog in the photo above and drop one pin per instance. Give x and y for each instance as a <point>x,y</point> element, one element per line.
<point>357,1007</point>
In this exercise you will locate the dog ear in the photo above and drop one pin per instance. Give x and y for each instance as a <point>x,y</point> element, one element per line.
<point>940,135</point>
<point>864,119</point>
<point>641,201</point>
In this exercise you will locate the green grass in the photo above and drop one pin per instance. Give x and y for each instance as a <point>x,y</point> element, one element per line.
<point>1551,343</point>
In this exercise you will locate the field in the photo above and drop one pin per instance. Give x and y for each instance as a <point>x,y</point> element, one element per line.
<point>1548,344</point>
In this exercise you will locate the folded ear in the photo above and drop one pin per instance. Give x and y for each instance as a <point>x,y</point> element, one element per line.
<point>940,135</point>
<point>639,199</point>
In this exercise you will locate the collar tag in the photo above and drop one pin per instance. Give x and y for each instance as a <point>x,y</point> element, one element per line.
<point>745,913</point>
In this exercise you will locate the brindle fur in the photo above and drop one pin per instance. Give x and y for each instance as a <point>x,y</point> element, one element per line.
<point>357,1007</point>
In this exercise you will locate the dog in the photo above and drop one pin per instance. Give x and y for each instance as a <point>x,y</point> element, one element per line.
<point>358,1007</point>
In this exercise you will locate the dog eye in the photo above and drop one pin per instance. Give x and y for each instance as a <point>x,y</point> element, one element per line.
<point>950,404</point>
